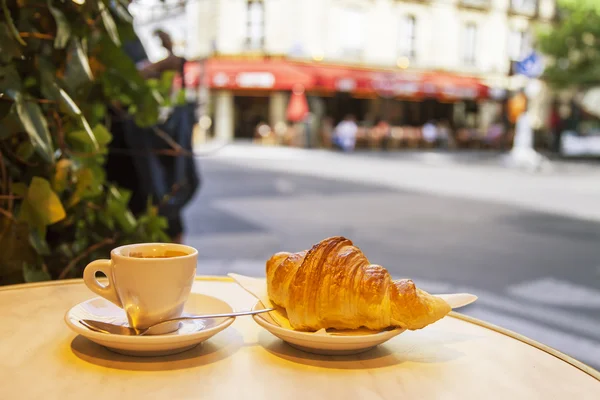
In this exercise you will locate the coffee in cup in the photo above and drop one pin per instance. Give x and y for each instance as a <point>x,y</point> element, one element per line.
<point>150,281</point>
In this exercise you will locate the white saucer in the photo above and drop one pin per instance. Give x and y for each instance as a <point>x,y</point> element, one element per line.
<point>339,343</point>
<point>190,333</point>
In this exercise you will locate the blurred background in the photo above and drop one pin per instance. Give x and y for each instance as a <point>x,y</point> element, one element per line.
<point>454,141</point>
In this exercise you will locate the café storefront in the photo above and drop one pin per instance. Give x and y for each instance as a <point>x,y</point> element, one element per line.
<point>245,93</point>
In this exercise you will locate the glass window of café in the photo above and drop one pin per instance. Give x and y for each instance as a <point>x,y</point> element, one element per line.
<point>469,44</point>
<point>255,27</point>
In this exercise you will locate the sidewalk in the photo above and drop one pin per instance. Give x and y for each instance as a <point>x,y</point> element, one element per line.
<point>571,189</point>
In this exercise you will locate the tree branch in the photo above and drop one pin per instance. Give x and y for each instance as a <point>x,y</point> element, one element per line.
<point>40,101</point>
<point>84,254</point>
<point>8,215</point>
<point>36,35</point>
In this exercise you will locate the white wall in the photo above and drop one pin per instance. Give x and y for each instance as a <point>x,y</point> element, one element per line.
<point>313,29</point>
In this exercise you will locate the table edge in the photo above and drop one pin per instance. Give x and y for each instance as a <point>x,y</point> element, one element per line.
<point>475,321</point>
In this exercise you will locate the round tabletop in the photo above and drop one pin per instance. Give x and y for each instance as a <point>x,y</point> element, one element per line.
<point>455,358</point>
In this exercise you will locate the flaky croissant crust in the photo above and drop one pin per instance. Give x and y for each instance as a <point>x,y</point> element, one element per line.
<point>333,285</point>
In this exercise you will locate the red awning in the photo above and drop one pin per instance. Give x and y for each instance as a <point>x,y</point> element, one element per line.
<point>259,74</point>
<point>397,84</point>
<point>338,78</point>
<point>285,75</point>
<point>447,86</point>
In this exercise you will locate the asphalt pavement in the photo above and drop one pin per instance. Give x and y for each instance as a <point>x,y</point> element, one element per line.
<point>532,258</point>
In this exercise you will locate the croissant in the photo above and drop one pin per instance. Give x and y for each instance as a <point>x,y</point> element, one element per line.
<point>333,285</point>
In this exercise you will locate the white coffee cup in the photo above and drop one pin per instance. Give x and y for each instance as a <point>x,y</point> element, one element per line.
<point>150,281</point>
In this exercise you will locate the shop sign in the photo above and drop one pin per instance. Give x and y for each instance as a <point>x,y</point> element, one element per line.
<point>393,85</point>
<point>460,92</point>
<point>255,79</point>
<point>220,79</point>
<point>346,84</point>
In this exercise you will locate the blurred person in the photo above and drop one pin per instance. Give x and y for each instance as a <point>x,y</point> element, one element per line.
<point>327,131</point>
<point>170,63</point>
<point>444,134</point>
<point>344,134</point>
<point>555,124</point>
<point>429,133</point>
<point>133,163</point>
<point>264,134</point>
<point>380,133</point>
<point>495,133</point>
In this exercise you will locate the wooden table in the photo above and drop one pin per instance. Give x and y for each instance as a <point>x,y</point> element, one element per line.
<point>455,358</point>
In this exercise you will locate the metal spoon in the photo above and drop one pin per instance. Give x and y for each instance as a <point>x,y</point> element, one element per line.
<point>114,329</point>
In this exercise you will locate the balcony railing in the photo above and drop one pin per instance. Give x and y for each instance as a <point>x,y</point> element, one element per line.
<point>479,4</point>
<point>524,7</point>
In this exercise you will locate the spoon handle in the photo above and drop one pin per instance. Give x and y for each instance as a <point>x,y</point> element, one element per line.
<point>208,316</point>
<point>225,315</point>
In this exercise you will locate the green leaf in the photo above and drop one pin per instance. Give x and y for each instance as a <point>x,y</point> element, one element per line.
<point>9,80</point>
<point>11,24</point>
<point>61,175</point>
<point>122,12</point>
<point>41,206</point>
<point>19,188</point>
<point>10,124</point>
<point>90,133</point>
<point>78,71</point>
<point>98,111</point>
<point>30,82</point>
<point>99,136</point>
<point>5,107</point>
<point>109,23</point>
<point>116,206</point>
<point>25,150</point>
<point>35,125</point>
<point>32,274</point>
<point>52,90</point>
<point>38,242</point>
<point>63,29</point>
<point>10,48</point>
<point>87,186</point>
<point>102,135</point>
<point>181,98</point>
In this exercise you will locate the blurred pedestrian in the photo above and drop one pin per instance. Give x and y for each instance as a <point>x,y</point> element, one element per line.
<point>444,134</point>
<point>344,134</point>
<point>380,133</point>
<point>169,181</point>
<point>555,123</point>
<point>429,133</point>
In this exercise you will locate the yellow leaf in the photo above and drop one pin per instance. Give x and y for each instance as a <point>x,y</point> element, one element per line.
<point>42,205</point>
<point>59,181</point>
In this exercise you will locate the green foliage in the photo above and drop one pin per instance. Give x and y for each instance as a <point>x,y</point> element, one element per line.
<point>61,66</point>
<point>573,44</point>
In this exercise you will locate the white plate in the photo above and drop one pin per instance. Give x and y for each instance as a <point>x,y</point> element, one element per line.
<point>190,333</point>
<point>342,343</point>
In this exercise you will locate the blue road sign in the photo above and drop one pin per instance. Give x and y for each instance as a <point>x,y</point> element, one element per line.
<point>531,66</point>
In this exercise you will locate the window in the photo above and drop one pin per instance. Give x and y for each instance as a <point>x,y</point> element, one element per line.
<point>407,39</point>
<point>517,45</point>
<point>255,30</point>
<point>476,3</point>
<point>470,44</point>
<point>352,32</point>
<point>526,7</point>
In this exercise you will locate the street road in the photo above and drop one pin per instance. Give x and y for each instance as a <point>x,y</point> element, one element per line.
<point>526,244</point>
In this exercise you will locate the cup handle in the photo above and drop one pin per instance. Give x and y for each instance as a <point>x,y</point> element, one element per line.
<point>89,278</point>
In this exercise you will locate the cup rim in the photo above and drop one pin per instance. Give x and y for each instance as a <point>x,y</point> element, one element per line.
<point>116,252</point>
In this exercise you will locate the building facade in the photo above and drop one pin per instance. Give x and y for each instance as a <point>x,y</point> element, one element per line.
<point>408,61</point>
